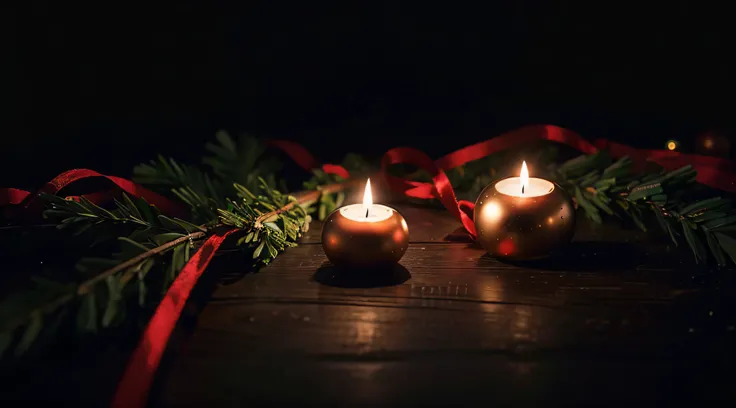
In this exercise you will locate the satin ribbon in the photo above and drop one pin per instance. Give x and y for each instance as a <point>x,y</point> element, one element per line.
<point>440,187</point>
<point>30,203</point>
<point>306,160</point>
<point>135,384</point>
<point>133,388</point>
<point>712,171</point>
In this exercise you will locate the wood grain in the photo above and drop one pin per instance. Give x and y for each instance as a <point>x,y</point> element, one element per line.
<point>610,317</point>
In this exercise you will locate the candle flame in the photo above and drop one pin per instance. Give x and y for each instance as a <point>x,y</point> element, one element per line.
<point>524,177</point>
<point>367,197</point>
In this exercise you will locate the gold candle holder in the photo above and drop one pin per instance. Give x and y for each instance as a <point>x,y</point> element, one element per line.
<point>523,218</point>
<point>365,235</point>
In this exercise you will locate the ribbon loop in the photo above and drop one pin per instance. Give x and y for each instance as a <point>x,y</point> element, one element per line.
<point>440,187</point>
<point>304,159</point>
<point>714,172</point>
<point>135,384</point>
<point>31,204</point>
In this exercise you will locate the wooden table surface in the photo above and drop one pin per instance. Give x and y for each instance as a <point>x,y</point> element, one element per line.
<point>617,320</point>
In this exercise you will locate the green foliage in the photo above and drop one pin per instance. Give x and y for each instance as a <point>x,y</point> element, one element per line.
<point>187,183</point>
<point>129,214</point>
<point>241,163</point>
<point>26,315</point>
<point>151,248</point>
<point>327,203</point>
<point>471,178</point>
<point>232,163</point>
<point>271,221</point>
<point>603,187</point>
<point>597,183</point>
<point>240,192</point>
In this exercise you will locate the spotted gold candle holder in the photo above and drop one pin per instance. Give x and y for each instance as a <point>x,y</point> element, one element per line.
<point>522,218</point>
<point>365,235</point>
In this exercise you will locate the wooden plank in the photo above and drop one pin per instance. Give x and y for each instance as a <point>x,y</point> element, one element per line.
<point>458,379</point>
<point>454,326</point>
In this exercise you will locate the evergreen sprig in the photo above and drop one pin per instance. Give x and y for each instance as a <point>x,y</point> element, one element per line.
<point>150,248</point>
<point>271,221</point>
<point>36,314</point>
<point>241,162</point>
<point>189,184</point>
<point>239,192</point>
<point>600,185</point>
<point>327,203</point>
<point>604,187</point>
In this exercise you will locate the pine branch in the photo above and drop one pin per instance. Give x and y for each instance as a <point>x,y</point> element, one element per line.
<point>603,188</point>
<point>192,186</point>
<point>329,201</point>
<point>240,163</point>
<point>86,286</point>
<point>125,266</point>
<point>596,183</point>
<point>150,241</point>
<point>265,238</point>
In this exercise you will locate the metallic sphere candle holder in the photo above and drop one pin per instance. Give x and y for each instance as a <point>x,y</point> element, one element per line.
<point>524,226</point>
<point>364,236</point>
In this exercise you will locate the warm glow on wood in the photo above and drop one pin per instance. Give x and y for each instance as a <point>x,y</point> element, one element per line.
<point>524,177</point>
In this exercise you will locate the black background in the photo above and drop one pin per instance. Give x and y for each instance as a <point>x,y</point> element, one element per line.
<point>107,85</point>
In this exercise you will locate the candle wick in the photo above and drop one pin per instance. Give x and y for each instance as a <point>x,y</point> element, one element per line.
<point>522,189</point>
<point>366,213</point>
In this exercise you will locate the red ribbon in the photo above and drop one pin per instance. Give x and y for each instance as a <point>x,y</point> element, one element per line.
<point>132,391</point>
<point>712,171</point>
<point>305,160</point>
<point>30,202</point>
<point>12,196</point>
<point>440,187</point>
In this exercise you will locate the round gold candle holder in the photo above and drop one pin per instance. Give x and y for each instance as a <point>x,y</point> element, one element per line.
<point>524,226</point>
<point>353,240</point>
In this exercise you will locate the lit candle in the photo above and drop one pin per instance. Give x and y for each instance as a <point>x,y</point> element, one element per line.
<point>365,235</point>
<point>523,217</point>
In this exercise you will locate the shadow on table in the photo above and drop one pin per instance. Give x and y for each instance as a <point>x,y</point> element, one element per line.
<point>587,256</point>
<point>331,275</point>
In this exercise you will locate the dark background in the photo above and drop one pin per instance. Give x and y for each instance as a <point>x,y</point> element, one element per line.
<point>107,85</point>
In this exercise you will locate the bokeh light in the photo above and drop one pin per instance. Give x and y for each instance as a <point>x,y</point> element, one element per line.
<point>708,142</point>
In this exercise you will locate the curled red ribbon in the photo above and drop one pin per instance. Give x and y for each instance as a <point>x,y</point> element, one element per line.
<point>440,187</point>
<point>31,204</point>
<point>306,160</point>
<point>712,171</point>
<point>133,389</point>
